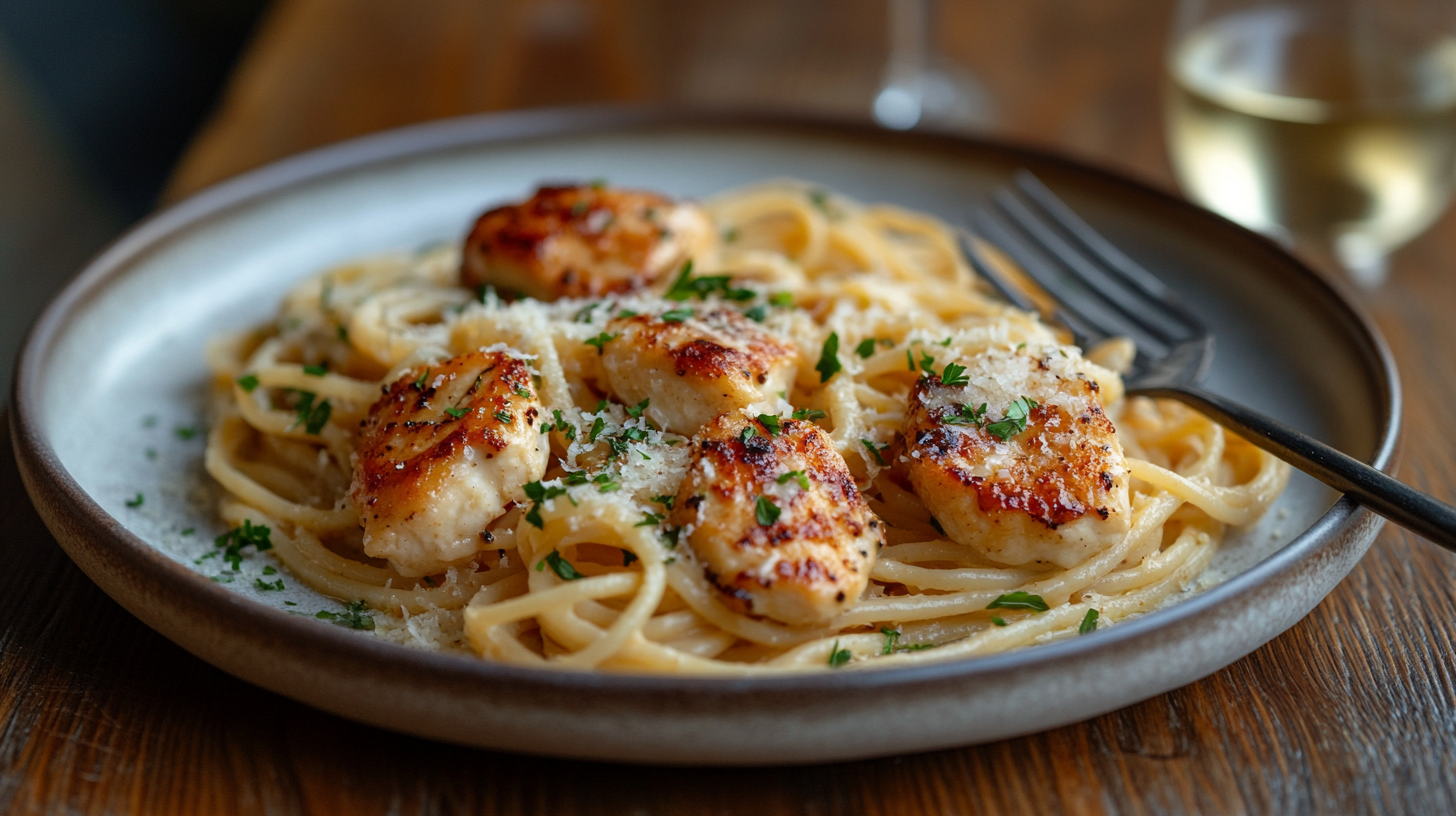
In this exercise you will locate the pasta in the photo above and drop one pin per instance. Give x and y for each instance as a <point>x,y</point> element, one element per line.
<point>856,314</point>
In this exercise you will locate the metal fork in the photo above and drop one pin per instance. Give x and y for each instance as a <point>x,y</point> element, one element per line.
<point>1100,293</point>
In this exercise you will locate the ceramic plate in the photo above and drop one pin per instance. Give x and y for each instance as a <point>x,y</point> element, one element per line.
<point>110,390</point>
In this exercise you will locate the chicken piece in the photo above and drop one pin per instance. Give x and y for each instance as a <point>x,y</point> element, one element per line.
<point>441,455</point>
<point>695,368</point>
<point>775,520</point>
<point>583,242</point>
<point>1054,489</point>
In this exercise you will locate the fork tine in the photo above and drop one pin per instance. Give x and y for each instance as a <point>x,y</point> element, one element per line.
<point>1085,328</point>
<point>1113,260</point>
<point>1133,306</point>
<point>990,274</point>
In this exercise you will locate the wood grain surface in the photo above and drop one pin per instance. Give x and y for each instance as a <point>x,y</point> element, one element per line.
<point>1352,711</point>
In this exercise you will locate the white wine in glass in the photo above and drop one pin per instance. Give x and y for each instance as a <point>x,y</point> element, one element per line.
<point>1330,124</point>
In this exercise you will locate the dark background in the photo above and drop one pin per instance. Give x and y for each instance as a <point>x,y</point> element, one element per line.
<point>98,98</point>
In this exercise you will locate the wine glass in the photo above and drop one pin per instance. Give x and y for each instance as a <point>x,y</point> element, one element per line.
<point>1329,124</point>
<point>919,88</point>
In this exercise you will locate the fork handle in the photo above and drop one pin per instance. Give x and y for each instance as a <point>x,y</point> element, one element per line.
<point>1387,496</point>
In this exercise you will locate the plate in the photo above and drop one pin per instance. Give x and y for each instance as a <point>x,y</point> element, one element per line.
<point>110,387</point>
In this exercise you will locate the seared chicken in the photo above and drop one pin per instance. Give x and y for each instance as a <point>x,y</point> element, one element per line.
<point>1038,475</point>
<point>441,455</point>
<point>775,521</point>
<point>583,242</point>
<point>695,367</point>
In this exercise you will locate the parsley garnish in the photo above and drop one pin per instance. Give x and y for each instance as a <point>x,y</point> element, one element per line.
<point>875,452</point>
<point>1019,600</point>
<point>797,475</point>
<point>523,392</point>
<point>781,299</point>
<point>665,501</point>
<point>269,571</point>
<point>866,348</point>
<point>136,502</point>
<point>485,293</point>
<point>837,656</point>
<point>267,587</point>
<point>626,313</point>
<point>730,235</point>
<point>189,531</point>
<point>767,511</point>
<point>342,332</point>
<point>503,416</point>
<point>954,375</point>
<point>585,315</point>
<point>1014,421</point>
<point>966,415</point>
<point>746,434</point>
<point>419,384</point>
<point>1089,622</point>
<point>248,382</point>
<point>596,429</point>
<point>829,358</point>
<point>538,493</point>
<point>635,411</point>
<point>598,183</point>
<point>809,414</point>
<point>233,541</point>
<point>771,423</point>
<point>186,431</point>
<point>686,286</point>
<point>355,616</point>
<point>316,370</point>
<point>757,313</point>
<point>649,520</point>
<point>927,362</point>
<point>916,647</point>
<point>457,412</point>
<point>560,566</point>
<point>998,620</point>
<point>579,209</point>
<point>820,200</point>
<point>891,635</point>
<point>677,315</point>
<point>601,340</point>
<point>910,359</point>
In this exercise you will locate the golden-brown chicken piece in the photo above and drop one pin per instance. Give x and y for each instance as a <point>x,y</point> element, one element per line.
<point>1038,475</point>
<point>775,521</point>
<point>695,365</point>
<point>584,241</point>
<point>441,455</point>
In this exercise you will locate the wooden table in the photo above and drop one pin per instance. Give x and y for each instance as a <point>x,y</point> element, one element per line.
<point>1351,711</point>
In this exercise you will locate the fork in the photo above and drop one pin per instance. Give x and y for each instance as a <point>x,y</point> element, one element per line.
<point>1099,293</point>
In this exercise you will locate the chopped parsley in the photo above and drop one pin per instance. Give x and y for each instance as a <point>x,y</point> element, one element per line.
<point>136,502</point>
<point>837,656</point>
<point>189,531</point>
<point>820,200</point>
<point>809,414</point>
<point>485,293</point>
<point>730,235</point>
<point>355,616</point>
<point>1089,622</point>
<point>268,587</point>
<point>635,411</point>
<point>954,375</point>
<point>875,452</point>
<point>649,520</point>
<point>927,363</point>
<point>770,423</point>
<point>756,313</point>
<point>457,412</point>
<point>999,621</point>
<point>1019,600</point>
<point>539,493</point>
<point>585,315</point>
<point>966,415</point>
<point>598,183</point>
<point>829,358</point>
<point>866,348</point>
<point>579,209</point>
<point>677,315</point>
<point>187,431</point>
<point>563,568</point>
<point>917,647</point>
<point>233,541</point>
<point>316,370</point>
<point>910,359</point>
<point>796,475</point>
<point>419,383</point>
<point>503,416</point>
<point>1015,420</point>
<point>342,332</point>
<point>665,501</point>
<point>269,571</point>
<point>596,429</point>
<point>746,434</point>
<point>766,511</point>
<point>248,382</point>
<point>891,635</point>
<point>781,299</point>
<point>686,286</point>
<point>626,313</point>
<point>601,340</point>
<point>523,392</point>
